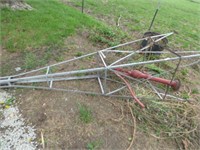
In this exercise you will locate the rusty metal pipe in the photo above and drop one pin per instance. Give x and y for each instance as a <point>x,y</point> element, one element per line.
<point>140,75</point>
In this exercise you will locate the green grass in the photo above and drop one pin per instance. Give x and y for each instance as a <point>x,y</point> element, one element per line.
<point>153,67</point>
<point>185,95</point>
<point>93,145</point>
<point>30,61</point>
<point>184,72</point>
<point>9,101</point>
<point>195,91</point>
<point>78,54</point>
<point>181,16</point>
<point>47,25</point>
<point>85,113</point>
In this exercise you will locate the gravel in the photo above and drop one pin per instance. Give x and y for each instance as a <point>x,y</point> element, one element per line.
<point>14,133</point>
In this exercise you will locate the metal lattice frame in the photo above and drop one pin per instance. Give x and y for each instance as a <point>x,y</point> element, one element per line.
<point>101,73</point>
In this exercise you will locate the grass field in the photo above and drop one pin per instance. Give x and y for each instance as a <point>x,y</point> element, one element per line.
<point>47,25</point>
<point>180,16</point>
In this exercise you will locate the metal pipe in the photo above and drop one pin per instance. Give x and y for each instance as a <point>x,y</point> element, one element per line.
<point>140,75</point>
<point>102,59</point>
<point>63,62</point>
<point>152,52</point>
<point>94,69</point>
<point>131,42</point>
<point>175,87</point>
<point>117,90</point>
<point>154,89</point>
<point>153,19</point>
<point>100,84</point>
<point>131,90</point>
<point>84,92</point>
<point>58,79</point>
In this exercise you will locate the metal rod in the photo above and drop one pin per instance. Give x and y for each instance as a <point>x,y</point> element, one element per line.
<point>117,90</point>
<point>153,19</point>
<point>57,79</point>
<point>104,63</point>
<point>180,58</point>
<point>177,98</point>
<point>114,81</point>
<point>154,89</point>
<point>53,65</point>
<point>51,83</point>
<point>96,69</point>
<point>47,72</point>
<point>63,62</point>
<point>100,84</point>
<point>105,81</point>
<point>85,92</point>
<point>140,49</point>
<point>131,42</point>
<point>102,54</point>
<point>105,74</point>
<point>152,52</point>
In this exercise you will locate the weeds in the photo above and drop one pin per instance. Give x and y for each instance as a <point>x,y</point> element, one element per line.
<point>93,145</point>
<point>78,54</point>
<point>31,61</point>
<point>185,95</point>
<point>107,36</point>
<point>8,102</point>
<point>155,68</point>
<point>168,119</point>
<point>195,91</point>
<point>184,72</point>
<point>138,19</point>
<point>85,113</point>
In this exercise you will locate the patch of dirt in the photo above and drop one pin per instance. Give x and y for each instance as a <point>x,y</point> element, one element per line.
<point>15,5</point>
<point>9,62</point>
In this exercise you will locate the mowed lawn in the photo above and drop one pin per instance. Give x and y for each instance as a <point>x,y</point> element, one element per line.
<point>51,22</point>
<point>180,16</point>
<point>47,25</point>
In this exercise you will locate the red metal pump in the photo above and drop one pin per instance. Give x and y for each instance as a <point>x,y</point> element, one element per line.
<point>138,74</point>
